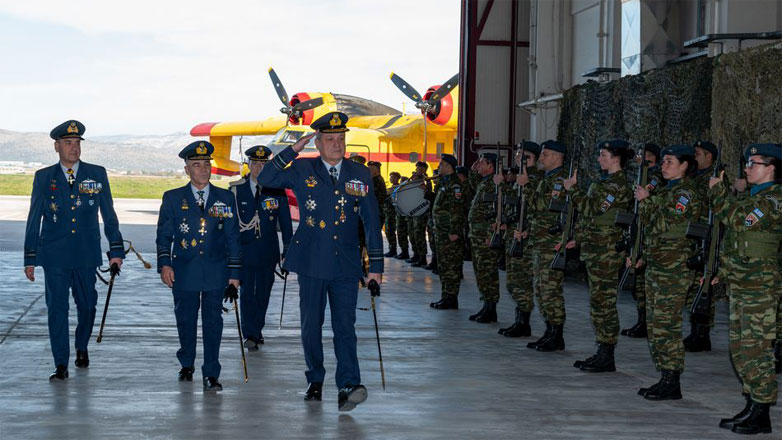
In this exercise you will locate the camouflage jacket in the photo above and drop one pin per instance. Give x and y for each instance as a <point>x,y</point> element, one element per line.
<point>540,218</point>
<point>753,221</point>
<point>511,200</point>
<point>654,179</point>
<point>665,214</point>
<point>482,206</point>
<point>597,208</point>
<point>448,210</point>
<point>379,187</point>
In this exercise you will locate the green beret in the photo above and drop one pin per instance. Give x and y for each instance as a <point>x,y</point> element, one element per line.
<point>68,130</point>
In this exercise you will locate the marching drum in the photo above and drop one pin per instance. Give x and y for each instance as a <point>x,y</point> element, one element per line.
<point>409,199</point>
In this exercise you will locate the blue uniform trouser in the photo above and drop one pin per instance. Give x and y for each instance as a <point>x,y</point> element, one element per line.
<point>342,295</point>
<point>81,282</point>
<point>186,304</point>
<point>256,288</point>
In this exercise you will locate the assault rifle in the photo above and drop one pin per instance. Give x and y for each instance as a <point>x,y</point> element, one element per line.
<point>496,236</point>
<point>517,245</point>
<point>708,257</point>
<point>634,233</point>
<point>567,220</point>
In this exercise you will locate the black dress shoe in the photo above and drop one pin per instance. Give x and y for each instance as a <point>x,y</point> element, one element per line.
<point>60,373</point>
<point>186,374</point>
<point>314,391</point>
<point>413,259</point>
<point>448,302</point>
<point>211,384</point>
<point>251,344</point>
<point>390,254</point>
<point>420,263</point>
<point>350,396</point>
<point>259,339</point>
<point>404,255</point>
<point>82,359</point>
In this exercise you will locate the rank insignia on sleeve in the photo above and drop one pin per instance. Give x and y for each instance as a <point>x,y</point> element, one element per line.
<point>310,221</point>
<point>322,224</point>
<point>270,204</point>
<point>311,182</point>
<point>356,188</point>
<point>753,217</point>
<point>606,205</point>
<point>184,227</point>
<point>184,205</point>
<point>310,205</point>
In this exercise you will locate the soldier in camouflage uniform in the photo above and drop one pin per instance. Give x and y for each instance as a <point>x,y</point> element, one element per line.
<point>753,240</point>
<point>430,224</point>
<point>546,282</point>
<point>390,215</point>
<point>449,219</point>
<point>402,232</point>
<point>666,250</point>
<point>418,228</point>
<point>519,269</point>
<point>379,187</point>
<point>596,234</point>
<point>468,193</point>
<point>654,180</point>
<point>484,258</point>
<point>698,340</point>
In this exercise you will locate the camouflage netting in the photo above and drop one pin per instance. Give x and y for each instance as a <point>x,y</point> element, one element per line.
<point>746,100</point>
<point>664,106</point>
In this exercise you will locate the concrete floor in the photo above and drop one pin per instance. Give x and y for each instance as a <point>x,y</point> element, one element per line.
<point>446,377</point>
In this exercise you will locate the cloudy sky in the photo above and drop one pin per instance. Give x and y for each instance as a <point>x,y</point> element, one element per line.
<point>157,67</point>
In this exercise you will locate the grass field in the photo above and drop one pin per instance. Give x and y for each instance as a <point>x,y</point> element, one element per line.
<point>130,187</point>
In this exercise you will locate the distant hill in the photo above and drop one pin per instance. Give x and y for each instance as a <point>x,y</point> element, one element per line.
<point>122,153</point>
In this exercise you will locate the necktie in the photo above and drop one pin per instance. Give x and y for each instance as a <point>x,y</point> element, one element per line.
<point>333,173</point>
<point>257,193</point>
<point>201,201</point>
<point>71,178</point>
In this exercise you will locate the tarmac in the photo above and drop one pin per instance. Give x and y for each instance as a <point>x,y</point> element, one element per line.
<point>446,377</point>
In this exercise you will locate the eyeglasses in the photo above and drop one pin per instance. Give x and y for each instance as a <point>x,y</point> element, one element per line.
<point>751,163</point>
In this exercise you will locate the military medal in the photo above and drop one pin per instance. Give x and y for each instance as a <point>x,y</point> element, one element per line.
<point>90,186</point>
<point>342,201</point>
<point>202,231</point>
<point>78,201</point>
<point>193,243</point>
<point>311,182</point>
<point>53,185</point>
<point>322,224</point>
<point>184,205</point>
<point>184,227</point>
<point>220,210</point>
<point>342,216</point>
<point>310,221</point>
<point>54,218</point>
<point>91,202</point>
<point>53,206</point>
<point>356,188</point>
<point>183,244</point>
<point>270,203</point>
<point>310,205</point>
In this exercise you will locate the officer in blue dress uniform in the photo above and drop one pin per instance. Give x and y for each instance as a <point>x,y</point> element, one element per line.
<point>62,237</point>
<point>198,255</point>
<point>261,210</point>
<point>333,194</point>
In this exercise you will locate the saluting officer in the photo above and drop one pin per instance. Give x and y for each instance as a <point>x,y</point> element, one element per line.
<point>547,282</point>
<point>334,193</point>
<point>62,237</point>
<point>198,255</point>
<point>753,240</point>
<point>449,218</point>
<point>261,211</point>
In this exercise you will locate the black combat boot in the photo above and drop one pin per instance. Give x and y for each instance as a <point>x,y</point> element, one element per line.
<point>555,341</point>
<point>475,316</point>
<point>404,255</point>
<point>757,422</point>
<point>433,265</point>
<point>667,389</point>
<point>490,315</point>
<point>602,361</point>
<point>728,423</point>
<point>413,259</point>
<point>778,355</point>
<point>421,261</point>
<point>546,335</point>
<point>391,253</point>
<point>638,330</point>
<point>699,339</point>
<point>520,327</point>
<point>447,303</point>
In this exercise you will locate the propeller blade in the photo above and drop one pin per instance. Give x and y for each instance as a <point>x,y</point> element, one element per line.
<point>406,88</point>
<point>308,105</point>
<point>278,87</point>
<point>444,89</point>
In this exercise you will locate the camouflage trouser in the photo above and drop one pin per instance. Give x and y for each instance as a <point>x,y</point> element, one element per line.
<point>484,263</point>
<point>402,231</point>
<point>639,294</point>
<point>667,281</point>
<point>547,283</point>
<point>450,256</point>
<point>430,232</point>
<point>754,305</point>
<point>391,229</point>
<point>519,273</point>
<point>779,316</point>
<point>691,297</point>
<point>602,261</point>
<point>419,232</point>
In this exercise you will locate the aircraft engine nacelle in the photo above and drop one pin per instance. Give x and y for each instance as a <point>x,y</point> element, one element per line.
<point>445,112</point>
<point>308,116</point>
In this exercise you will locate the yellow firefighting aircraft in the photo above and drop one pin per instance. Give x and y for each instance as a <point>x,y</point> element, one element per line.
<point>377,132</point>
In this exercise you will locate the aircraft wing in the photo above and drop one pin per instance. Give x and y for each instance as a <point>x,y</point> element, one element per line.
<point>267,126</point>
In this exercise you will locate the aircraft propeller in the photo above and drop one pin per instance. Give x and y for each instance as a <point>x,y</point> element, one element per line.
<point>296,111</point>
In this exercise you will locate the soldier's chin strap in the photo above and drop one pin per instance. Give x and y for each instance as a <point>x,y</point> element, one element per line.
<point>129,249</point>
